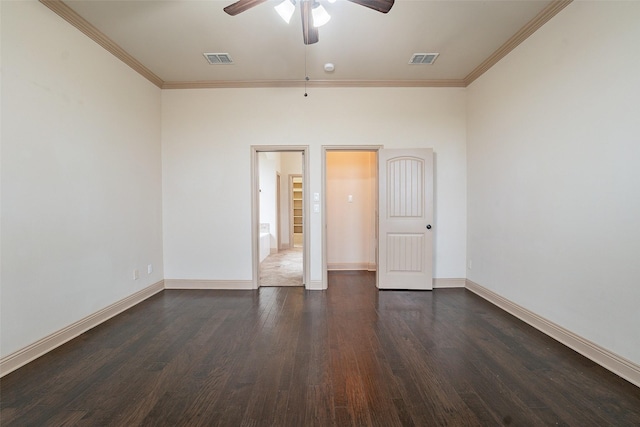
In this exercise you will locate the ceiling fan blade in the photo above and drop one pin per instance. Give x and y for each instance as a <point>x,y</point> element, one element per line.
<point>309,32</point>
<point>383,6</point>
<point>241,6</point>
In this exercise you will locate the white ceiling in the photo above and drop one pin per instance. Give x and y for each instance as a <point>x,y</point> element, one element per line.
<point>169,38</point>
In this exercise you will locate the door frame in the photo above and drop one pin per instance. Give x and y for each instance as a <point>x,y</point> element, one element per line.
<point>255,208</point>
<point>278,212</point>
<point>323,199</point>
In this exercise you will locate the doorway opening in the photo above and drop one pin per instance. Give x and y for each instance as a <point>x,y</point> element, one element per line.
<point>279,216</point>
<point>350,206</point>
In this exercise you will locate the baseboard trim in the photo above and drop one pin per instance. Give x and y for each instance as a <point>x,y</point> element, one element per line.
<point>314,285</point>
<point>626,369</point>
<point>440,283</point>
<point>208,284</point>
<point>21,357</point>
<point>351,266</point>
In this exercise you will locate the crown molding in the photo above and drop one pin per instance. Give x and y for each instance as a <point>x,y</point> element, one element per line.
<point>218,84</point>
<point>69,15</point>
<point>531,27</point>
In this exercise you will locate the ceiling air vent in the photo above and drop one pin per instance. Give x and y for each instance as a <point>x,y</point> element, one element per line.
<point>218,58</point>
<point>423,58</point>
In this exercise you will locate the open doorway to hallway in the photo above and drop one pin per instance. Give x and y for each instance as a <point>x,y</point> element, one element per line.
<point>281,218</point>
<point>351,203</point>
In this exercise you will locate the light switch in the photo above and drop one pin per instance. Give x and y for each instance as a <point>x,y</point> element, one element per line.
<point>316,208</point>
<point>350,198</point>
<point>316,197</point>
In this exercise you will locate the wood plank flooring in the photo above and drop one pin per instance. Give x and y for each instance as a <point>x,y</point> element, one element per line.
<point>352,355</point>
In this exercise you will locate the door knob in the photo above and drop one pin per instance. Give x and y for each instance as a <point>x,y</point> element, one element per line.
<point>428,226</point>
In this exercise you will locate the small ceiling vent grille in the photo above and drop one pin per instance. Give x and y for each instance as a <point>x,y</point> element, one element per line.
<point>423,58</point>
<point>218,58</point>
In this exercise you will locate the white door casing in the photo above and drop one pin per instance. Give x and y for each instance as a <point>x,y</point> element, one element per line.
<point>255,208</point>
<point>405,257</point>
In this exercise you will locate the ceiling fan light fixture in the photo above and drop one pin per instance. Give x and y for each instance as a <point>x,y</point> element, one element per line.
<point>320,15</point>
<point>285,10</point>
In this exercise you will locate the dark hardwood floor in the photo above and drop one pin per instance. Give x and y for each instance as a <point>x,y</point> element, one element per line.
<point>288,357</point>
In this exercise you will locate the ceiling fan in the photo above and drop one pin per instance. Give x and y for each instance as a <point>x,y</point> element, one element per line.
<point>309,30</point>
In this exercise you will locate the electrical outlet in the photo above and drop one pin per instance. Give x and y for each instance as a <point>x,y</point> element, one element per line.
<point>470,264</point>
<point>149,269</point>
<point>136,274</point>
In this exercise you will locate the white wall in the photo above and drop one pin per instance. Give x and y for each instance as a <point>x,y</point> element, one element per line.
<point>351,225</point>
<point>81,184</point>
<point>207,136</point>
<point>553,146</point>
<point>268,166</point>
<point>554,183</point>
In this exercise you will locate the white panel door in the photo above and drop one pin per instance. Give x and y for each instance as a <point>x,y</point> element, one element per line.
<point>405,230</point>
